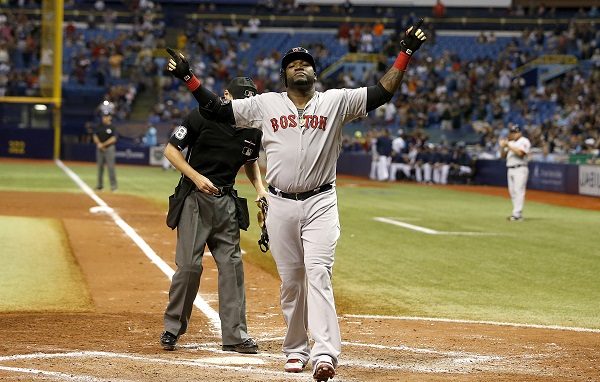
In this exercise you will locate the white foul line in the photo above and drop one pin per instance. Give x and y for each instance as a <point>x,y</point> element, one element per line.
<point>62,376</point>
<point>431,231</point>
<point>199,302</point>
<point>536,326</point>
<point>100,354</point>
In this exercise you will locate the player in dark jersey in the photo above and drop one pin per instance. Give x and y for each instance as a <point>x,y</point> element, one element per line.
<point>216,151</point>
<point>105,138</point>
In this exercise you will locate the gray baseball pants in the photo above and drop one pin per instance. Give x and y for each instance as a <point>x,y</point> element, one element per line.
<point>517,185</point>
<point>303,236</point>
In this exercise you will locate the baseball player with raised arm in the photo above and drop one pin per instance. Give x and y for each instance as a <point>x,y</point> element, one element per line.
<point>302,137</point>
<point>516,149</point>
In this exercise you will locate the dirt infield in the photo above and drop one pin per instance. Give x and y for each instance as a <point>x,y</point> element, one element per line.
<point>118,340</point>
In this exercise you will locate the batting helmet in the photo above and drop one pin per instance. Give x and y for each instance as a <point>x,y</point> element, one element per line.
<point>298,53</point>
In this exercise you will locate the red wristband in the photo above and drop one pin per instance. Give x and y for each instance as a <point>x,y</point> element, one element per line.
<point>193,83</point>
<point>402,61</point>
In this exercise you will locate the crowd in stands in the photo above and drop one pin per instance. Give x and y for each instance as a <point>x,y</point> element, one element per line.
<point>121,61</point>
<point>446,91</point>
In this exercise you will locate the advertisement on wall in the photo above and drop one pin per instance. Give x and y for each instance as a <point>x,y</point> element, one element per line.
<point>547,177</point>
<point>156,155</point>
<point>589,180</point>
<point>27,143</point>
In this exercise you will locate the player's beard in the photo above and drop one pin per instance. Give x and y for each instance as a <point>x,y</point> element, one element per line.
<point>301,83</point>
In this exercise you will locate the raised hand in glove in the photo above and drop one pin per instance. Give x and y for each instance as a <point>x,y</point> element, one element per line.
<point>413,40</point>
<point>179,66</point>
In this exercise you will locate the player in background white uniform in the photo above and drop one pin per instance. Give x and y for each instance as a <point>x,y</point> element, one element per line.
<point>372,137</point>
<point>398,161</point>
<point>384,149</point>
<point>516,149</point>
<point>302,137</point>
<point>441,168</point>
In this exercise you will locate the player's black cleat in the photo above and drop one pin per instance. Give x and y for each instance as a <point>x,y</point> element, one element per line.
<point>168,341</point>
<point>248,347</point>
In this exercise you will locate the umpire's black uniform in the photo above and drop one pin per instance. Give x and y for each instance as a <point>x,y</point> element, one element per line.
<point>217,151</point>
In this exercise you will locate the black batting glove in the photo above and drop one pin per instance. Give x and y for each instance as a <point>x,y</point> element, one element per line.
<point>413,40</point>
<point>179,66</point>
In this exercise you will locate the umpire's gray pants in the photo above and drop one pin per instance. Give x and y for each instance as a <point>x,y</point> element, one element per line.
<point>209,220</point>
<point>108,157</point>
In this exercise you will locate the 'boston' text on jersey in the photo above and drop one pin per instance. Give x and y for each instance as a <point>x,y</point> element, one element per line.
<point>312,121</point>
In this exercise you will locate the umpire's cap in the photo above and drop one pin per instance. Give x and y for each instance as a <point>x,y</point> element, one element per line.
<point>297,53</point>
<point>242,87</point>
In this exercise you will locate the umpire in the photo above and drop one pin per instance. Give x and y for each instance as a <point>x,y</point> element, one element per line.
<point>105,138</point>
<point>216,151</point>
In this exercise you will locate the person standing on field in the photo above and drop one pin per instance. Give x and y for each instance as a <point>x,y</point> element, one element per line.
<point>211,217</point>
<point>384,151</point>
<point>516,149</point>
<point>302,138</point>
<point>105,138</point>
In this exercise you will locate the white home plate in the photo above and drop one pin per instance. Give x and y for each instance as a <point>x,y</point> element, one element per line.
<point>101,210</point>
<point>233,360</point>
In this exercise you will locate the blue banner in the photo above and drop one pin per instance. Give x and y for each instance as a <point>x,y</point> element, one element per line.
<point>354,163</point>
<point>556,177</point>
<point>548,177</point>
<point>27,143</point>
<point>126,154</point>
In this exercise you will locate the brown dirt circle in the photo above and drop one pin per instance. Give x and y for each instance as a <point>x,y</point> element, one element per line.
<point>118,340</point>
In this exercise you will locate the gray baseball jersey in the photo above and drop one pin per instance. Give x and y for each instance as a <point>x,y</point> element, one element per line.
<point>513,159</point>
<point>301,159</point>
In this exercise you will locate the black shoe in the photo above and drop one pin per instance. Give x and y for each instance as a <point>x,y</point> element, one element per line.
<point>249,347</point>
<point>98,188</point>
<point>168,341</point>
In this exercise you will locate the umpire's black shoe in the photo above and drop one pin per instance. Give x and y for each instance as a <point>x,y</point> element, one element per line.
<point>249,347</point>
<point>168,341</point>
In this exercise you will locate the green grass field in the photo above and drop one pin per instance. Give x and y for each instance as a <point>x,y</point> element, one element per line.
<point>43,275</point>
<point>541,271</point>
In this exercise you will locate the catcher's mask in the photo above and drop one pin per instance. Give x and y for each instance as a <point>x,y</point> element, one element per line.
<point>298,53</point>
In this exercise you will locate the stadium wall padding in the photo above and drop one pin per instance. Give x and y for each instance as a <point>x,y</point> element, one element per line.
<point>27,143</point>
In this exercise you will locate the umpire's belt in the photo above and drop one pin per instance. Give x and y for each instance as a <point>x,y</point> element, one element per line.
<point>517,166</point>
<point>300,195</point>
<point>225,190</point>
